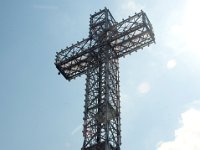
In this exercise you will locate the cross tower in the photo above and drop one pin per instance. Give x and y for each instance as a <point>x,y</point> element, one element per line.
<point>98,57</point>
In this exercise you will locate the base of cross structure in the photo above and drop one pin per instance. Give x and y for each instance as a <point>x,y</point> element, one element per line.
<point>101,146</point>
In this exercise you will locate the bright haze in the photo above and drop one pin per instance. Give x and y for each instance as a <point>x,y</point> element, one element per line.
<point>159,85</point>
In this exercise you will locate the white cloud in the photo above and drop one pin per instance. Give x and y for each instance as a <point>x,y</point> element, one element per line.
<point>171,64</point>
<point>77,129</point>
<point>196,102</point>
<point>131,5</point>
<point>144,87</point>
<point>187,137</point>
<point>127,8</point>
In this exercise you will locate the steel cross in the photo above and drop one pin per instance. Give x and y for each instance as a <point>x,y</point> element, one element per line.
<point>97,57</point>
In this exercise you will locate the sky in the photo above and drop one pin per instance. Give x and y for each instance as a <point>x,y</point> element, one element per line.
<point>160,98</point>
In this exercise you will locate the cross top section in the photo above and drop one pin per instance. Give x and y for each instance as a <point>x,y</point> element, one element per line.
<point>124,37</point>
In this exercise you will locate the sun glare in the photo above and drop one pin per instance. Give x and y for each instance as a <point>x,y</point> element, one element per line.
<point>171,64</point>
<point>190,27</point>
<point>184,33</point>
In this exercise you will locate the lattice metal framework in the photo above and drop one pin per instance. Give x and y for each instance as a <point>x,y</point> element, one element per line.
<point>97,57</point>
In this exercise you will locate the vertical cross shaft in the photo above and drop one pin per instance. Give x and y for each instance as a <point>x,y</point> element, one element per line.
<point>102,105</point>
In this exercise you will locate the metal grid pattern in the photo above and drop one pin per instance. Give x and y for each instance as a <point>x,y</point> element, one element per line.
<point>97,57</point>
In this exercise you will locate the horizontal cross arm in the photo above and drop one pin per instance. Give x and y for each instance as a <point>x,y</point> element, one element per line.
<point>72,61</point>
<point>124,37</point>
<point>75,60</point>
<point>132,34</point>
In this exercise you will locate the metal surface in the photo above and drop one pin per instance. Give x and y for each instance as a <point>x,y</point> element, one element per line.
<point>97,57</point>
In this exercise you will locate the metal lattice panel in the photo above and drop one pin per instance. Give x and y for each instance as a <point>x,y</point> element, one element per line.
<point>102,104</point>
<point>125,37</point>
<point>97,57</point>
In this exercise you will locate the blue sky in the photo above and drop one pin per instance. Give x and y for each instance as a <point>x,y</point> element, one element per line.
<point>160,97</point>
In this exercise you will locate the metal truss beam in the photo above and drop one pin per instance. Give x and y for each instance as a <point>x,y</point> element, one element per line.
<point>98,57</point>
<point>125,37</point>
